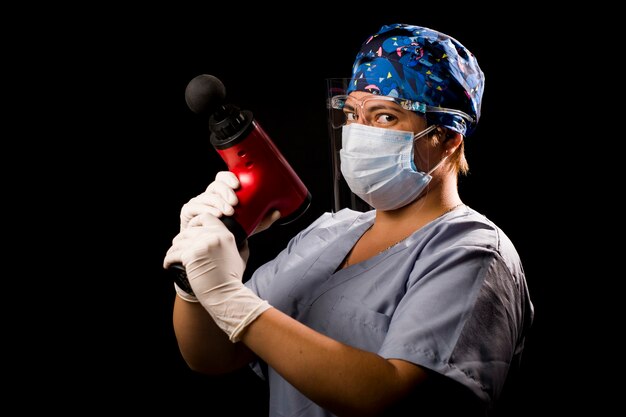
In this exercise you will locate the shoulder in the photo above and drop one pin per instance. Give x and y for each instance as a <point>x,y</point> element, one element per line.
<point>338,220</point>
<point>467,227</point>
<point>467,230</point>
<point>343,215</point>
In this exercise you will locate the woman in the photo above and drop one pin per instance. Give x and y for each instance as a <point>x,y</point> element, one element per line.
<point>420,304</point>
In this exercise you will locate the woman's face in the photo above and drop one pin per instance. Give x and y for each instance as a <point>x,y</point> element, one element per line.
<point>377,111</point>
<point>380,111</point>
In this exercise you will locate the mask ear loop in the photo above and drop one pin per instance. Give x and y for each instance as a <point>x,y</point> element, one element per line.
<point>448,153</point>
<point>423,132</point>
<point>415,138</point>
<point>438,163</point>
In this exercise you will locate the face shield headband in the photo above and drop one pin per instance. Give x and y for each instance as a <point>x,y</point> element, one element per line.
<point>344,109</point>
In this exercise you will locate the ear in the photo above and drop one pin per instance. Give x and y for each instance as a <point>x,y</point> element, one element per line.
<point>452,142</point>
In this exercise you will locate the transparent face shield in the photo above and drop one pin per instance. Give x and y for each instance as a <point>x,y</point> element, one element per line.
<point>372,110</point>
<point>343,197</point>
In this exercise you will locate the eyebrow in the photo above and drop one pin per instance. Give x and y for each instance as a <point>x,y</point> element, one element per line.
<point>347,106</point>
<point>384,107</point>
<point>395,108</point>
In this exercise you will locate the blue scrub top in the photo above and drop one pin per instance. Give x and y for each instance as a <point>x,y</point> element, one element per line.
<point>451,298</point>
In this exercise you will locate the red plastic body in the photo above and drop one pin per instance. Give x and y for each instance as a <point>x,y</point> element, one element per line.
<point>267,180</point>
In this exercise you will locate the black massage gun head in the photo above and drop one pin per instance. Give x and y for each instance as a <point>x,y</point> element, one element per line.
<point>228,124</point>
<point>205,94</point>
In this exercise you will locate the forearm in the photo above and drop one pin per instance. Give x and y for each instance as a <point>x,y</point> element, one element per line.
<point>204,346</point>
<point>342,379</point>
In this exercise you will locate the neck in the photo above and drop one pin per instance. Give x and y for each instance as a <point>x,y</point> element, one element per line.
<point>441,196</point>
<point>392,227</point>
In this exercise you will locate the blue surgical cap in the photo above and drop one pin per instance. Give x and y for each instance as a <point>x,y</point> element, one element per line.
<point>420,64</point>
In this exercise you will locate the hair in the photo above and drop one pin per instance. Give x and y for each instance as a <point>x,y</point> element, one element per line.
<point>457,159</point>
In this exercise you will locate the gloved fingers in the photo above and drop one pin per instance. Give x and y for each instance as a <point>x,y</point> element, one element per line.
<point>227,178</point>
<point>193,209</point>
<point>208,220</point>
<point>218,199</point>
<point>180,243</point>
<point>223,190</point>
<point>217,226</point>
<point>199,241</point>
<point>173,255</point>
<point>205,243</point>
<point>206,234</point>
<point>204,203</point>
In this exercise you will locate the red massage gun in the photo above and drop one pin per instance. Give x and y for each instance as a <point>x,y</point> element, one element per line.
<point>267,180</point>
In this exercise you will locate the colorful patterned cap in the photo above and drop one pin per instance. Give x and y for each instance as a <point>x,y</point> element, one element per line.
<point>423,65</point>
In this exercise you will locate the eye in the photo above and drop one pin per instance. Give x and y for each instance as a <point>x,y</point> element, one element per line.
<point>385,119</point>
<point>350,116</point>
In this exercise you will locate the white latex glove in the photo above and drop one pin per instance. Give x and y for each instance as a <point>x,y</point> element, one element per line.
<point>208,251</point>
<point>218,199</point>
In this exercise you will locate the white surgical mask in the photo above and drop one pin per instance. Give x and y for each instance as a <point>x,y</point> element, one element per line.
<point>378,165</point>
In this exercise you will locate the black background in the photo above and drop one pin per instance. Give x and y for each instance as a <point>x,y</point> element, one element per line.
<point>146,154</point>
